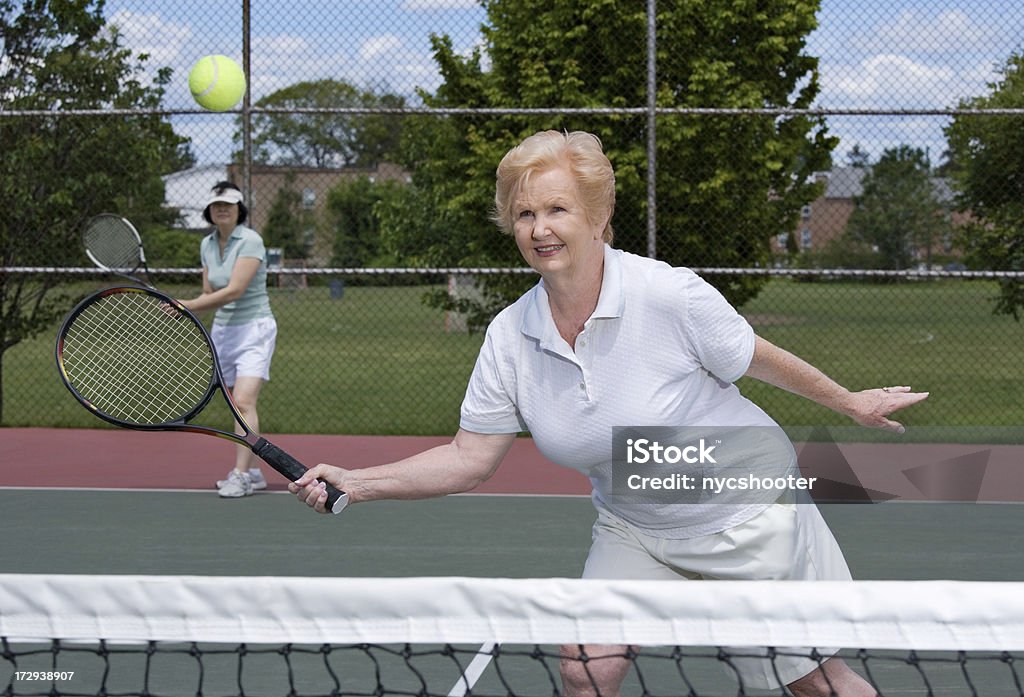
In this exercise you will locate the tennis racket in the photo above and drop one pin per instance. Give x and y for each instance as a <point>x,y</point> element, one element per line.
<point>114,245</point>
<point>139,359</point>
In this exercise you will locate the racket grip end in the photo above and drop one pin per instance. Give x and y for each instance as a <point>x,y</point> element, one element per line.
<point>293,469</point>
<point>338,503</point>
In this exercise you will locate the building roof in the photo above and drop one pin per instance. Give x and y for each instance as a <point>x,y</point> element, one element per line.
<point>844,182</point>
<point>848,183</point>
<point>188,190</point>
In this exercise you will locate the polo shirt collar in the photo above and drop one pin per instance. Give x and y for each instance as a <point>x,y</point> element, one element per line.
<point>236,232</point>
<point>537,321</point>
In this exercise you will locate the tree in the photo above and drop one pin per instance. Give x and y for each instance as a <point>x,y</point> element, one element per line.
<point>352,209</point>
<point>987,163</point>
<point>898,212</point>
<point>290,225</point>
<point>726,185</point>
<point>857,157</point>
<point>325,139</point>
<point>59,171</point>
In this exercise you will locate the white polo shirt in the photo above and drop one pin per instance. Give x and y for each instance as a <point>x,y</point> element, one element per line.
<point>662,348</point>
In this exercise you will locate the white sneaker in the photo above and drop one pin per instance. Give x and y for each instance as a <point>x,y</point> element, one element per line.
<point>259,482</point>
<point>237,485</point>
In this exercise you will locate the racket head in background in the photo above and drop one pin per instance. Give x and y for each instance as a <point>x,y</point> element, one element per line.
<point>113,244</point>
<point>136,358</point>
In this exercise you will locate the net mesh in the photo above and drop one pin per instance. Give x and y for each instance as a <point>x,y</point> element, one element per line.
<point>125,635</point>
<point>135,359</point>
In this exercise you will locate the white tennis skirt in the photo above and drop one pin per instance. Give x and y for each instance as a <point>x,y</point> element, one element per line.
<point>245,350</point>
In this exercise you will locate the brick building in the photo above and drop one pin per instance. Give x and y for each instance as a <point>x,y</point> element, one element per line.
<point>825,219</point>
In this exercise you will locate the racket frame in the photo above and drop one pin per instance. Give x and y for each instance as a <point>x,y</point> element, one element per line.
<point>267,451</point>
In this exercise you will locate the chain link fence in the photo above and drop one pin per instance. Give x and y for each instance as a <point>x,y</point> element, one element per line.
<point>819,163</point>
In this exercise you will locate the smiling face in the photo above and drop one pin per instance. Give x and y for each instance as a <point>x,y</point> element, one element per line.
<point>552,228</point>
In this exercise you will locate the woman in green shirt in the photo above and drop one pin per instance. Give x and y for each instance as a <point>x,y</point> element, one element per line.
<point>244,331</point>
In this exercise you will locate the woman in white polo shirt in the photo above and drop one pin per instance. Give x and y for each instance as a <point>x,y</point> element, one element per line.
<point>607,340</point>
<point>244,331</point>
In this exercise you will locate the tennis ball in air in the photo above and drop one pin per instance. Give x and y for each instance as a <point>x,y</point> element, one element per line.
<point>216,82</point>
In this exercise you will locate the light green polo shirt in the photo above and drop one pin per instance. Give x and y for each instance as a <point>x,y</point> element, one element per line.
<point>243,242</point>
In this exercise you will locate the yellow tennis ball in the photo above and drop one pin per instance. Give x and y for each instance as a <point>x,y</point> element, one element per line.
<point>217,83</point>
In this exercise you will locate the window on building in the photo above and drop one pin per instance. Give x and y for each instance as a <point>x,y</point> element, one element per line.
<point>308,198</point>
<point>805,238</point>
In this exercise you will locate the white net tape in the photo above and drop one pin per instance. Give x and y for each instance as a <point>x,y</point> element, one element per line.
<point>921,615</point>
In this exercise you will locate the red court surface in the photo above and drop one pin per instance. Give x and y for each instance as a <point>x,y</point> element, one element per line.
<point>114,458</point>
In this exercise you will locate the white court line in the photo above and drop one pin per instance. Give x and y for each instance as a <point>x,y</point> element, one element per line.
<point>101,489</point>
<point>213,489</point>
<point>474,670</point>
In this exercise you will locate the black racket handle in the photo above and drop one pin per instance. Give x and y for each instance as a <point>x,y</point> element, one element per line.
<point>293,469</point>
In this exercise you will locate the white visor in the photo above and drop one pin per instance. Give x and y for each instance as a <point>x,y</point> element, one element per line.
<point>228,196</point>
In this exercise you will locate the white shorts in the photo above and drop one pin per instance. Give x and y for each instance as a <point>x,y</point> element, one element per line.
<point>245,350</point>
<point>785,542</point>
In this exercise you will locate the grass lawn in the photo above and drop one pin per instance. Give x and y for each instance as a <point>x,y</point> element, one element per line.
<point>377,361</point>
<point>936,336</point>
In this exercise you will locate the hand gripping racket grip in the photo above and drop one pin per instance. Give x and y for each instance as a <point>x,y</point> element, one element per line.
<point>293,469</point>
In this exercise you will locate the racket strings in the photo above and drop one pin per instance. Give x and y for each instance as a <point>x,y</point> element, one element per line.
<point>138,391</point>
<point>137,361</point>
<point>110,242</point>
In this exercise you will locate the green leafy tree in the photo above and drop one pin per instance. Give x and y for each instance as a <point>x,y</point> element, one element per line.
<point>290,225</point>
<point>57,172</point>
<point>986,159</point>
<point>725,185</point>
<point>170,247</point>
<point>898,212</point>
<point>352,209</point>
<point>324,139</point>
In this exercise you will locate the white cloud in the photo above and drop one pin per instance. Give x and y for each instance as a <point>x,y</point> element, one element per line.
<point>379,46</point>
<point>950,32</point>
<point>889,75</point>
<point>167,43</point>
<point>151,34</point>
<point>388,63</point>
<point>912,58</point>
<point>895,80</point>
<point>285,59</point>
<point>887,79</point>
<point>280,46</point>
<point>383,62</point>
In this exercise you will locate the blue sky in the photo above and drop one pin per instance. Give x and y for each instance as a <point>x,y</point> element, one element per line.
<point>875,54</point>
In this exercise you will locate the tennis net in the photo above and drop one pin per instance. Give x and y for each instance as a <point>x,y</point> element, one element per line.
<point>193,635</point>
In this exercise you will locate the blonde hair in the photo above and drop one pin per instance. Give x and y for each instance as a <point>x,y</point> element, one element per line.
<point>581,151</point>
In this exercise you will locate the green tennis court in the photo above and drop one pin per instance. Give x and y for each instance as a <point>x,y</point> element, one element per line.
<point>129,532</point>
